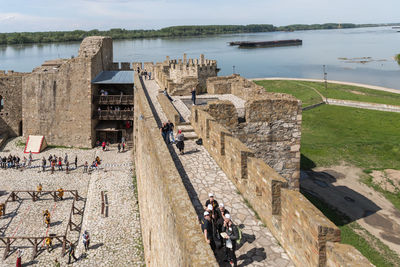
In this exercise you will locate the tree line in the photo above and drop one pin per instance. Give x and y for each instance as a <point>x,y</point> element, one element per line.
<point>174,31</point>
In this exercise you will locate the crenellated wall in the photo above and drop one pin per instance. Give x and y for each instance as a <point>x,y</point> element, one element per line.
<point>302,230</point>
<point>180,76</point>
<point>170,229</point>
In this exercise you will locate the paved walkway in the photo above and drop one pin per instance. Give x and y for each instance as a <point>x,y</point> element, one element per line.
<point>201,175</point>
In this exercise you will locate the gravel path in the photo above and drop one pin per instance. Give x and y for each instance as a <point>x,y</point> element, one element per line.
<point>115,240</point>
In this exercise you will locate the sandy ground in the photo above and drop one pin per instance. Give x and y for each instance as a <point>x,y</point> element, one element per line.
<point>396,91</point>
<point>340,187</point>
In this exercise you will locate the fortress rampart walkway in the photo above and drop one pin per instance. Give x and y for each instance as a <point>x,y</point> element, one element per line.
<point>201,175</point>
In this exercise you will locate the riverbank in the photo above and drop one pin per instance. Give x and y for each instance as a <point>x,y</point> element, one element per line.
<point>374,87</point>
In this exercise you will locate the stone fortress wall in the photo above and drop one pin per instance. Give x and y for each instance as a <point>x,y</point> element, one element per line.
<point>272,125</point>
<point>57,95</point>
<point>170,229</point>
<point>180,76</point>
<point>11,95</point>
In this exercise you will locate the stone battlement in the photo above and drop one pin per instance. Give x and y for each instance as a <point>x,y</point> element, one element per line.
<point>180,76</point>
<point>304,232</point>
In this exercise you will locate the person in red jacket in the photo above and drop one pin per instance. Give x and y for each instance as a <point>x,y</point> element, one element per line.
<point>19,258</point>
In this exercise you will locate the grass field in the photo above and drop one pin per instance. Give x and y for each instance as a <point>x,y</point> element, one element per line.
<point>306,92</point>
<point>366,138</point>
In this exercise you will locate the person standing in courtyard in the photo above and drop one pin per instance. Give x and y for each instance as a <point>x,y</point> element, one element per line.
<point>180,143</point>
<point>85,167</point>
<point>86,240</point>
<point>194,96</point>
<point>60,164</point>
<point>76,161</point>
<point>119,147</point>
<point>67,167</point>
<point>43,164</point>
<point>19,257</point>
<point>71,252</point>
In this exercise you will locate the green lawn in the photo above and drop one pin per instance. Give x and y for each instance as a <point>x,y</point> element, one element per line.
<point>366,138</point>
<point>304,91</point>
<point>306,94</point>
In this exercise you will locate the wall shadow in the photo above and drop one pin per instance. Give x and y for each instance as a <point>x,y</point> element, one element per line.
<point>346,205</point>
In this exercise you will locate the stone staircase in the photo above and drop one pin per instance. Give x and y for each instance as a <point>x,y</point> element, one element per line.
<point>187,131</point>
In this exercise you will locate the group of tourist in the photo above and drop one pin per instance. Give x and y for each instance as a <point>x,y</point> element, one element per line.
<point>219,230</point>
<point>144,73</point>
<point>58,162</point>
<point>167,132</point>
<point>10,162</point>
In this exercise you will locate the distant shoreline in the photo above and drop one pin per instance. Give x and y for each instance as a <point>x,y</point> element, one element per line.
<point>174,31</point>
<point>374,87</point>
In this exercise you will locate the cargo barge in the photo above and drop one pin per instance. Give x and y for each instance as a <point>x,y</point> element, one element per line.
<point>244,44</point>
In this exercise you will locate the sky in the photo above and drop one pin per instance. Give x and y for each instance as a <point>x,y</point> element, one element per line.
<point>52,15</point>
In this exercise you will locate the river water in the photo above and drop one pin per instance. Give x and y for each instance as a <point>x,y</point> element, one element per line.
<point>332,48</point>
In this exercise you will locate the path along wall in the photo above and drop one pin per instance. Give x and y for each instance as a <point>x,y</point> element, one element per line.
<point>302,230</point>
<point>171,233</point>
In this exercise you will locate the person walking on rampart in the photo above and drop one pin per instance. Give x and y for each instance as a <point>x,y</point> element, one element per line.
<point>212,201</point>
<point>170,133</point>
<point>230,237</point>
<point>194,96</point>
<point>164,131</point>
<point>180,143</point>
<point>208,230</point>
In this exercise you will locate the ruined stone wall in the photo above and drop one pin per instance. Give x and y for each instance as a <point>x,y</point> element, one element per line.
<point>304,232</point>
<point>170,229</point>
<point>11,113</point>
<point>236,85</point>
<point>180,76</point>
<point>271,127</point>
<point>57,98</point>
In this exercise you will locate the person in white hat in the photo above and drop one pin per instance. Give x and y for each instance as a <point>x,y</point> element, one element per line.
<point>212,201</point>
<point>208,230</point>
<point>232,234</point>
<point>220,216</point>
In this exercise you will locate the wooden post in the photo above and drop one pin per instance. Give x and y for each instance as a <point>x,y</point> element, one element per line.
<point>102,202</point>
<point>34,252</point>
<point>7,250</point>
<point>64,243</point>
